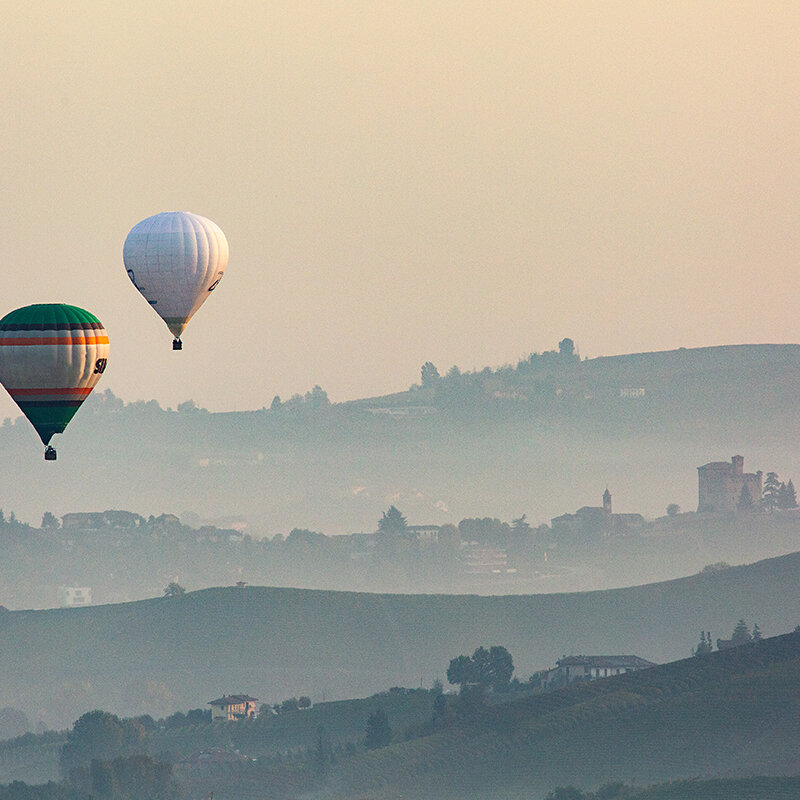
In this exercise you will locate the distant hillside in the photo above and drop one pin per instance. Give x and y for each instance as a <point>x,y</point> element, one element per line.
<point>157,656</point>
<point>731,714</point>
<point>540,438</point>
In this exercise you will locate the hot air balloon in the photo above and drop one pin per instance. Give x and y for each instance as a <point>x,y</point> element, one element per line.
<point>175,259</point>
<point>51,357</point>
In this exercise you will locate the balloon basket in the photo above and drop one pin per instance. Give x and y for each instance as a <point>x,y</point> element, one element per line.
<point>177,344</point>
<point>50,453</point>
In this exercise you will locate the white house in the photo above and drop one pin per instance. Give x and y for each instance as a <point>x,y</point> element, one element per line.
<point>74,596</point>
<point>589,668</point>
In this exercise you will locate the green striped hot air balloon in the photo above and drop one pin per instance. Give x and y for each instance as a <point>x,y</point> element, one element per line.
<point>51,357</point>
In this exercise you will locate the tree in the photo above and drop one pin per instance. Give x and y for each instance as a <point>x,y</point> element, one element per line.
<point>304,701</point>
<point>132,778</point>
<point>745,500</point>
<point>772,488</point>
<point>566,348</point>
<point>787,496</point>
<point>95,735</point>
<point>276,403</point>
<point>378,733</point>
<point>501,667</point>
<point>174,589</point>
<point>439,705</point>
<point>461,671</point>
<point>489,668</point>
<point>292,704</point>
<point>50,521</point>
<point>429,374</point>
<point>673,509</point>
<point>520,525</point>
<point>741,634</point>
<point>392,521</point>
<point>757,637</point>
<point>317,398</point>
<point>322,754</point>
<point>705,646</point>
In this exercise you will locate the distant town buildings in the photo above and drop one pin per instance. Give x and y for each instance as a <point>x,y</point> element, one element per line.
<point>597,519</point>
<point>97,520</point>
<point>720,486</point>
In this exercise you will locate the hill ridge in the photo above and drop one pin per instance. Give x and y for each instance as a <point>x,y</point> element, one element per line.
<point>154,656</point>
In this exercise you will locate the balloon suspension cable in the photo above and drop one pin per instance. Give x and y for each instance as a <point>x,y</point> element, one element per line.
<point>177,344</point>
<point>50,453</point>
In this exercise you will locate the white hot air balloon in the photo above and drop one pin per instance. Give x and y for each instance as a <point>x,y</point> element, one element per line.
<point>175,259</point>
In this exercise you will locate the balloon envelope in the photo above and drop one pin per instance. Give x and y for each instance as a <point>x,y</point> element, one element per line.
<point>175,259</point>
<point>51,357</point>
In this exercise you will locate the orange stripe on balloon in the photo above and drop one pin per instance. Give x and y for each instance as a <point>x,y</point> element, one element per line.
<point>55,340</point>
<point>26,392</point>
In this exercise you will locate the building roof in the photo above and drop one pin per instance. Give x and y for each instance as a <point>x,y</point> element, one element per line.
<point>605,662</point>
<point>726,465</point>
<point>232,700</point>
<point>583,510</point>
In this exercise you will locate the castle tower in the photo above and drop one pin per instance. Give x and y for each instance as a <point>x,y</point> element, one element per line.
<point>607,501</point>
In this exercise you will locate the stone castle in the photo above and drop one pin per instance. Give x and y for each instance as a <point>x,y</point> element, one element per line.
<point>720,485</point>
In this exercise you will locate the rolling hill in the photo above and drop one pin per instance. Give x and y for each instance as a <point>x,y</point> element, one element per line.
<point>156,656</point>
<point>730,714</point>
<point>540,438</point>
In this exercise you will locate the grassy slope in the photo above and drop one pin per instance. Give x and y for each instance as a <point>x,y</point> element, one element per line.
<point>339,722</point>
<point>275,643</point>
<point>733,713</point>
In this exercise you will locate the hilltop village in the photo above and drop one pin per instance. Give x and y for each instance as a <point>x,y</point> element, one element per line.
<point>76,560</point>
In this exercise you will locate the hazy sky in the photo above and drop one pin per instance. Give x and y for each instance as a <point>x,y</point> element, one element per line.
<point>402,181</point>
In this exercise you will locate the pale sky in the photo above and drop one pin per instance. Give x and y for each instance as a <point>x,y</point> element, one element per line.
<point>461,182</point>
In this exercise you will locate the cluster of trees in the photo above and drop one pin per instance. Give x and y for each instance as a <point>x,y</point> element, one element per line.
<point>316,398</point>
<point>290,704</point>
<point>741,635</point>
<point>174,589</point>
<point>195,716</point>
<point>778,494</point>
<point>565,355</point>
<point>101,736</point>
<point>123,778</point>
<point>127,778</point>
<point>491,669</point>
